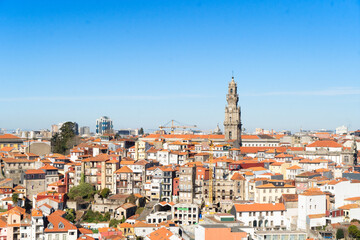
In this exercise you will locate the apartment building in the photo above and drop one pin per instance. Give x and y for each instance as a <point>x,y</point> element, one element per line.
<point>99,170</point>
<point>272,191</point>
<point>185,213</point>
<point>15,168</point>
<point>187,175</point>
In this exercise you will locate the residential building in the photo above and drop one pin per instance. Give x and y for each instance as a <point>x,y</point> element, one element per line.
<point>186,184</point>
<point>99,170</point>
<point>185,213</point>
<point>261,215</point>
<point>310,202</point>
<point>272,191</point>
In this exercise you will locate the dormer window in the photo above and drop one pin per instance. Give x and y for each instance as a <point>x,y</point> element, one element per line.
<point>50,226</point>
<point>61,225</point>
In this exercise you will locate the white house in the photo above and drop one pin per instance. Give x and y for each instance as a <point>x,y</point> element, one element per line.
<point>163,157</point>
<point>267,215</point>
<point>346,189</point>
<point>311,202</point>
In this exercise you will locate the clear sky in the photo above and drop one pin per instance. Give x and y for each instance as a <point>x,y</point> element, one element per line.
<point>143,63</point>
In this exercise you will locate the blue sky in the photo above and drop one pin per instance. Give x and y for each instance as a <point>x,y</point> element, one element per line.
<point>297,63</point>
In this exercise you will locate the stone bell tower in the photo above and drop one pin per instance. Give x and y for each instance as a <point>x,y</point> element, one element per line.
<point>232,123</point>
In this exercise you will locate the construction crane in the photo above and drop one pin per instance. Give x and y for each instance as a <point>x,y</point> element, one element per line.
<point>173,126</point>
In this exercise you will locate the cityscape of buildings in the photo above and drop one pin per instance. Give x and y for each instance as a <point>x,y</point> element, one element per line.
<point>173,183</point>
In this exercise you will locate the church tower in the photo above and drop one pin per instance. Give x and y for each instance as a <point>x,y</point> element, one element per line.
<point>232,123</point>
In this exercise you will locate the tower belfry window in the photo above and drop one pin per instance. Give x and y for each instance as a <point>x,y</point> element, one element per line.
<point>231,90</point>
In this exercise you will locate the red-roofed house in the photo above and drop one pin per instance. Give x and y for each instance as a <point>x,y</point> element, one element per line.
<point>261,214</point>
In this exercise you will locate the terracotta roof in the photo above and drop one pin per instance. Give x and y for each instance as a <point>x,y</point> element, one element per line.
<point>126,225</point>
<point>124,169</point>
<point>269,185</point>
<point>353,199</point>
<point>34,171</point>
<point>6,149</point>
<point>290,197</point>
<point>98,158</point>
<point>160,234</point>
<point>349,206</point>
<point>259,207</point>
<point>36,213</point>
<point>13,160</point>
<point>86,237</point>
<point>128,205</point>
<point>48,167</point>
<point>55,220</point>
<point>9,136</point>
<point>316,215</point>
<point>325,143</point>
<point>313,192</point>
<point>237,176</point>
<point>250,137</point>
<point>294,167</point>
<point>258,169</point>
<point>85,231</point>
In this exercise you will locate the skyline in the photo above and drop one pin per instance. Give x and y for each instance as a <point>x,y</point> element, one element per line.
<point>143,64</point>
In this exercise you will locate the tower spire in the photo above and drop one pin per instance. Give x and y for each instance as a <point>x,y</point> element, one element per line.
<point>232,123</point>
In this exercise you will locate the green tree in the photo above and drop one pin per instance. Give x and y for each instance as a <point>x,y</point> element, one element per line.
<point>114,223</point>
<point>96,217</point>
<point>66,138</point>
<point>70,215</point>
<point>82,179</point>
<point>15,198</point>
<point>355,220</point>
<point>123,219</point>
<point>339,233</point>
<point>141,131</point>
<point>83,191</point>
<point>105,193</point>
<point>353,231</point>
<point>107,217</point>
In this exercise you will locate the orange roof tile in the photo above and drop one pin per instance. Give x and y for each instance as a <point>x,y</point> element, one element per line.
<point>349,206</point>
<point>325,143</point>
<point>124,169</point>
<point>294,167</point>
<point>259,207</point>
<point>160,234</point>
